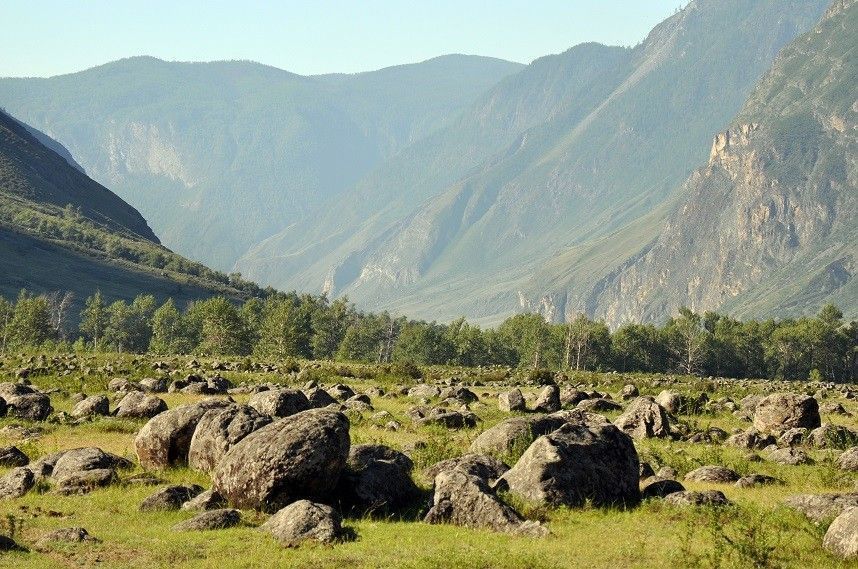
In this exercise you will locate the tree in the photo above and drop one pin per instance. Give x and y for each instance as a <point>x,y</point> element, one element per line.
<point>329,323</point>
<point>117,332</point>
<point>170,334</point>
<point>688,340</point>
<point>59,304</point>
<point>222,330</point>
<point>94,318</point>
<point>587,343</point>
<point>639,347</point>
<point>7,309</point>
<point>529,335</point>
<point>30,325</point>
<point>423,343</point>
<point>278,330</point>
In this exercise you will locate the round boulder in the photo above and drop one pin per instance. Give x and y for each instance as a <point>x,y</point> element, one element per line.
<point>218,431</point>
<point>782,411</point>
<point>166,438</point>
<point>279,402</point>
<point>305,521</point>
<point>300,456</point>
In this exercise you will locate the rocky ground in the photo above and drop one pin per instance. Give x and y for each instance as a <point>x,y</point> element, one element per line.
<point>123,461</point>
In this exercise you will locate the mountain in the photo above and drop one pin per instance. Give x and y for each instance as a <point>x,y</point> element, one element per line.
<point>768,226</point>
<point>537,176</point>
<point>62,231</point>
<point>219,156</point>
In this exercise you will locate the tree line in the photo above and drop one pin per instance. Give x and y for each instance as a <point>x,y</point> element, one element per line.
<point>289,325</point>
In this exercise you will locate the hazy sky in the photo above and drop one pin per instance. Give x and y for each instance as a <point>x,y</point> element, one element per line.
<point>50,37</point>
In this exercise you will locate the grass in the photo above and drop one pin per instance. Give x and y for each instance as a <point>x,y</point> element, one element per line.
<point>756,532</point>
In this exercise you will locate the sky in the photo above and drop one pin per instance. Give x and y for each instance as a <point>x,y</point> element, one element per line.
<point>42,38</point>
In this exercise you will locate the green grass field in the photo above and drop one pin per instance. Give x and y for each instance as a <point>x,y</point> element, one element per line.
<point>756,532</point>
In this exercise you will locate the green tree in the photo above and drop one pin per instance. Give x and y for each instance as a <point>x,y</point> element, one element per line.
<point>30,325</point>
<point>170,334</point>
<point>329,323</point>
<point>278,330</point>
<point>688,340</point>
<point>94,318</point>
<point>221,328</point>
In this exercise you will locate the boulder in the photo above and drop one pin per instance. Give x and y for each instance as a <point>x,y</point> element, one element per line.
<point>750,439</point>
<point>73,462</point>
<point>24,402</point>
<point>422,391</point>
<point>208,500</point>
<point>583,460</point>
<point>342,392</point>
<point>300,456</point>
<point>92,406</point>
<point>672,402</point>
<point>218,431</point>
<point>484,467</point>
<point>841,539</point>
<point>165,440</point>
<point>458,393</point>
<point>782,411</point>
<point>16,483</point>
<point>153,385</point>
<point>713,474</point>
<point>833,437</point>
<point>629,391</point>
<point>305,521</point>
<point>139,405</point>
<point>169,498</point>
<point>514,432</point>
<point>790,456</point>
<point>706,498</point>
<point>448,419</point>
<point>655,487</point>
<point>12,456</point>
<point>600,405</point>
<point>548,400</point>
<point>644,419</point>
<point>752,480</point>
<point>510,401</point>
<point>822,507</point>
<point>319,398</point>
<point>466,500</point>
<point>279,402</point>
<point>847,461</point>
<point>377,479</point>
<point>211,520</point>
<point>84,481</point>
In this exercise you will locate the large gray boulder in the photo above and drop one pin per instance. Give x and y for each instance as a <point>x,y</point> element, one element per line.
<point>300,456</point>
<point>279,402</point>
<point>210,520</point>
<point>93,405</point>
<point>690,498</point>
<point>139,405</point>
<point>510,401</point>
<point>713,474</point>
<point>169,498</point>
<point>12,456</point>
<point>482,466</point>
<point>24,402</point>
<point>841,539</point>
<point>165,440</point>
<point>305,521</point>
<point>218,431</point>
<point>514,432</point>
<point>822,507</point>
<point>377,479</point>
<point>16,483</point>
<point>548,399</point>
<point>585,459</point>
<point>75,461</point>
<point>466,500</point>
<point>670,401</point>
<point>644,419</point>
<point>848,460</point>
<point>781,411</point>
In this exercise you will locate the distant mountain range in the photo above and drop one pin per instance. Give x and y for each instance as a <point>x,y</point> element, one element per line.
<point>61,231</point>
<point>584,182</point>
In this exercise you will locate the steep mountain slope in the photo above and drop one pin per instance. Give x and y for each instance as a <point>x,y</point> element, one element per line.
<point>768,226</point>
<point>218,156</point>
<point>553,160</point>
<point>60,230</point>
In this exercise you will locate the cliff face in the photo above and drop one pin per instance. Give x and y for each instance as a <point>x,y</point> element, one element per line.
<point>767,227</point>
